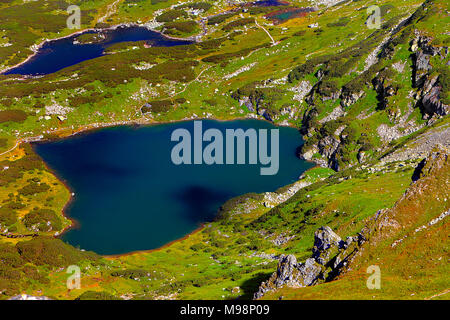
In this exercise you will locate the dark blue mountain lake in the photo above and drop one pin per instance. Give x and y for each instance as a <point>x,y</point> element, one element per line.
<point>57,54</point>
<point>130,196</point>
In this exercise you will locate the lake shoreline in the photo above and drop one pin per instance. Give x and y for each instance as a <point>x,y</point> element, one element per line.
<point>194,232</point>
<point>82,130</point>
<point>85,129</point>
<point>164,246</point>
<point>35,48</point>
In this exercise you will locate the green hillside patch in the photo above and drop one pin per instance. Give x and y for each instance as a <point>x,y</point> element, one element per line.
<point>43,220</point>
<point>342,204</point>
<point>171,15</point>
<point>220,18</point>
<point>238,23</point>
<point>7,217</point>
<point>53,252</point>
<point>180,27</point>
<point>157,106</point>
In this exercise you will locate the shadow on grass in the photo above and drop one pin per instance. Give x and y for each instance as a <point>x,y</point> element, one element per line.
<point>250,286</point>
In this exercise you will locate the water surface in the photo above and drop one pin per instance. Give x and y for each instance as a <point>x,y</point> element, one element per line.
<point>130,196</point>
<point>57,54</point>
<point>284,15</point>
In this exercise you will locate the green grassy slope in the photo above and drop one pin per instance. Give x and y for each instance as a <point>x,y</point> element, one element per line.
<point>411,249</point>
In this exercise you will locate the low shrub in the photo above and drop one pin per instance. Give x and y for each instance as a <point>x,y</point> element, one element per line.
<point>33,188</point>
<point>43,220</point>
<point>171,15</point>
<point>238,23</point>
<point>157,106</point>
<point>342,22</point>
<point>299,33</point>
<point>13,115</point>
<point>50,251</point>
<point>220,18</point>
<point>95,295</point>
<point>181,26</point>
<point>7,216</point>
<point>130,273</point>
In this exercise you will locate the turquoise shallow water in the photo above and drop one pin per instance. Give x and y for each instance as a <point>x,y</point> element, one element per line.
<point>130,196</point>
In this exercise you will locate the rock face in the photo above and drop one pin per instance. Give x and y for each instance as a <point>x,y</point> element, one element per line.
<point>301,90</point>
<point>349,98</point>
<point>328,146</point>
<point>423,51</point>
<point>330,255</point>
<point>325,240</point>
<point>384,88</point>
<point>429,86</point>
<point>246,101</point>
<point>431,102</point>
<point>272,199</point>
<point>335,114</point>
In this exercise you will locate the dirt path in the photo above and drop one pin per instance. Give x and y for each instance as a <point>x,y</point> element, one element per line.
<point>438,294</point>
<point>260,26</point>
<point>21,140</point>
<point>187,85</point>
<point>8,151</point>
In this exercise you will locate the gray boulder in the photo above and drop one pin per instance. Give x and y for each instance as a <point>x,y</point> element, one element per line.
<point>330,255</point>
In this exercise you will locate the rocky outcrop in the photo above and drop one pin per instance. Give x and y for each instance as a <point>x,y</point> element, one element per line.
<point>325,240</point>
<point>437,159</point>
<point>348,98</point>
<point>361,156</point>
<point>265,114</point>
<point>385,88</point>
<point>423,51</point>
<point>308,153</point>
<point>246,101</point>
<point>429,85</point>
<point>430,101</point>
<point>328,146</point>
<point>335,114</point>
<point>421,146</point>
<point>421,67</point>
<point>272,199</point>
<point>327,3</point>
<point>301,90</point>
<point>330,256</point>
